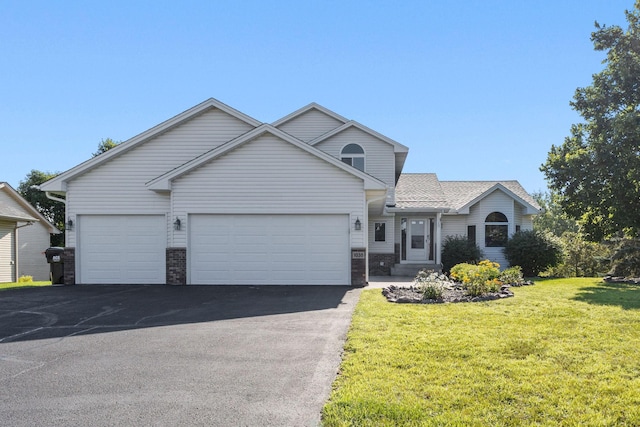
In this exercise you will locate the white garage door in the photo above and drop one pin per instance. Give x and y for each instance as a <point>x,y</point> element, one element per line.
<point>269,249</point>
<point>121,249</point>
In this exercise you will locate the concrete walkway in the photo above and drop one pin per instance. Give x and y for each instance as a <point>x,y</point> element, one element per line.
<point>384,281</point>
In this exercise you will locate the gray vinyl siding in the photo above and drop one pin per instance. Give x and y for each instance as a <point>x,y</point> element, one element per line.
<point>494,202</point>
<point>269,176</point>
<point>454,225</point>
<point>524,221</point>
<point>33,240</point>
<point>118,186</point>
<point>385,247</point>
<point>310,125</point>
<point>7,252</point>
<point>379,156</point>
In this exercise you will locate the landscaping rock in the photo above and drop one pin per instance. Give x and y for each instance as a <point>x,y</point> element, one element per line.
<point>618,279</point>
<point>452,293</point>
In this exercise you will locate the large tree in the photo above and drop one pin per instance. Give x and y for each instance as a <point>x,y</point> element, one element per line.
<point>596,172</point>
<point>52,210</point>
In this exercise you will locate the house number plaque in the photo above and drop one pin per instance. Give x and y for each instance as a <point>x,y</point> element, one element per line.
<point>357,255</point>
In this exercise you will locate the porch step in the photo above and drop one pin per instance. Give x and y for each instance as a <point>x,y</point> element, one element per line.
<point>411,269</point>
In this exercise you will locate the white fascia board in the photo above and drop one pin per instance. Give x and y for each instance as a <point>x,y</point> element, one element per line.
<point>397,147</point>
<point>163,182</point>
<point>418,210</point>
<point>312,106</point>
<point>57,184</point>
<point>18,218</point>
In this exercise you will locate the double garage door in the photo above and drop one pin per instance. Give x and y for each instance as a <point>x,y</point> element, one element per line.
<point>222,249</point>
<point>269,249</point>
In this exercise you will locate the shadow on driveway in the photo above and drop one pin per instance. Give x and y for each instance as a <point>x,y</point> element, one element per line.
<point>53,312</point>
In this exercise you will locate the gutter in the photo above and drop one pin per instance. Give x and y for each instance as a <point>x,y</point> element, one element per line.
<point>419,210</point>
<point>50,196</point>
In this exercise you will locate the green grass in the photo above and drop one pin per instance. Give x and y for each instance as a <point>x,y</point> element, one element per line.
<point>14,285</point>
<point>562,352</point>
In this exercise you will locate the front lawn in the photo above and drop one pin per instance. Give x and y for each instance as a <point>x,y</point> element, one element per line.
<point>14,285</point>
<point>562,352</point>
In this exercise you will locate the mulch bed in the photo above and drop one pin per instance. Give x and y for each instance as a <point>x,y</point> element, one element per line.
<point>453,293</point>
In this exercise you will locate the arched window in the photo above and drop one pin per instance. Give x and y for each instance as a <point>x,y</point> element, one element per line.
<point>353,154</point>
<point>496,230</point>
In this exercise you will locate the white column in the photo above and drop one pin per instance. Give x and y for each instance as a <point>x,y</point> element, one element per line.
<point>438,236</point>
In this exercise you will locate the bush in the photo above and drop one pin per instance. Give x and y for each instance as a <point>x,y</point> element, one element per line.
<point>431,284</point>
<point>533,251</point>
<point>512,276</point>
<point>581,258</point>
<point>478,279</point>
<point>25,279</point>
<point>457,250</point>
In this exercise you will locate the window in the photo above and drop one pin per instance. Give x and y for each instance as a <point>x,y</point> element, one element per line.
<point>496,231</point>
<point>380,232</point>
<point>471,233</point>
<point>353,154</point>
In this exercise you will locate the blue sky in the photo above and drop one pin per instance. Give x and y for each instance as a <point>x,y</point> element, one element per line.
<point>478,90</point>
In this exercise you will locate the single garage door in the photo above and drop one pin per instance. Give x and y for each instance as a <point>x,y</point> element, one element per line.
<point>121,249</point>
<point>269,249</point>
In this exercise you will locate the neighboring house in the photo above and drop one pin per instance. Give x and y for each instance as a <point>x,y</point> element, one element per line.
<point>24,236</point>
<point>213,196</point>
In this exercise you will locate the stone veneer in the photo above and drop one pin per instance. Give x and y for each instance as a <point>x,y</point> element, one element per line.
<point>358,267</point>
<point>69,269</point>
<point>176,266</point>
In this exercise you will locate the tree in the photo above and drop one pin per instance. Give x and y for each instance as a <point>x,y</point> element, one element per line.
<point>52,210</point>
<point>553,219</point>
<point>105,145</point>
<point>596,171</point>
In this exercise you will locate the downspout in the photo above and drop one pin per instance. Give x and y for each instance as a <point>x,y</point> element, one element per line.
<point>366,230</point>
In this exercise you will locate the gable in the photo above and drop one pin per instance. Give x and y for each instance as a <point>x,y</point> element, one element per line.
<point>379,155</point>
<point>461,195</point>
<point>310,124</point>
<point>267,173</point>
<point>169,150</point>
<point>164,182</point>
<point>175,141</point>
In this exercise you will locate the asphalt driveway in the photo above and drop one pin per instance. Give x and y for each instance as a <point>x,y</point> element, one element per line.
<point>163,355</point>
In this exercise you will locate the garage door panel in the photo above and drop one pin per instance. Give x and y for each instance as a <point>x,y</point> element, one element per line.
<point>269,249</point>
<point>122,249</point>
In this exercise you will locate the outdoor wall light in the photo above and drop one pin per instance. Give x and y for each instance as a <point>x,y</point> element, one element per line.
<point>177,224</point>
<point>358,224</point>
<point>69,225</point>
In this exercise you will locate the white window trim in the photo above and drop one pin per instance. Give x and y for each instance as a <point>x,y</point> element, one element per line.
<point>354,156</point>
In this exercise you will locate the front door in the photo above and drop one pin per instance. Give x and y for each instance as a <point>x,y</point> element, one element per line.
<point>417,240</point>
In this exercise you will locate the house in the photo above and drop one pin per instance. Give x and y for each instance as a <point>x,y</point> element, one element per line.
<point>213,196</point>
<point>24,236</point>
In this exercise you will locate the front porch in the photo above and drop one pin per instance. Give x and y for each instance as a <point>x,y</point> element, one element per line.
<point>416,240</point>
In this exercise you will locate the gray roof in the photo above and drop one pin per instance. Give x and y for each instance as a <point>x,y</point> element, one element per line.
<point>419,190</point>
<point>424,190</point>
<point>14,214</point>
